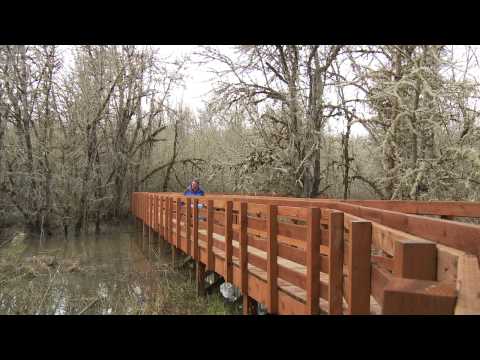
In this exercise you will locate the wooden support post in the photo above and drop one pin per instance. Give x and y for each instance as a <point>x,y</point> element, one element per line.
<point>139,228</point>
<point>335,263</point>
<point>243,243</point>
<point>216,284</point>
<point>210,214</point>
<point>272,265</point>
<point>188,224</point>
<point>196,249</point>
<point>415,259</point>
<point>359,271</point>
<point>249,305</point>
<point>313,261</point>
<point>228,242</point>
<point>200,277</point>
<point>174,256</point>
<point>178,229</point>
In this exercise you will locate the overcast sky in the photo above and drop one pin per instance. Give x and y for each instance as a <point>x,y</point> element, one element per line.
<point>197,82</point>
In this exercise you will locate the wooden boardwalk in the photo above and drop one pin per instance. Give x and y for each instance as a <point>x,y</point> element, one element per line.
<point>309,256</point>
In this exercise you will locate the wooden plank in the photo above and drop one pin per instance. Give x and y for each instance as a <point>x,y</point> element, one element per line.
<point>292,231</point>
<point>383,261</point>
<point>210,214</point>
<point>359,267</point>
<point>313,261</point>
<point>447,263</point>
<point>335,258</point>
<point>418,297</point>
<point>380,279</point>
<point>468,285</point>
<point>188,224</point>
<point>460,236</point>
<point>415,259</point>
<point>439,208</point>
<point>293,212</point>
<point>243,251</point>
<point>272,266</point>
<point>228,241</point>
<point>253,209</point>
<point>195,229</point>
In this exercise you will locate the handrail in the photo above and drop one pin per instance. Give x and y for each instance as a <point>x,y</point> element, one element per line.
<point>297,256</point>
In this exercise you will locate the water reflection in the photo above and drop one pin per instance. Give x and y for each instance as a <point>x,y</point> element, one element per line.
<point>114,275</point>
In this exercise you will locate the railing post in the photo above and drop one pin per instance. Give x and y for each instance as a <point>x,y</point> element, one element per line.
<point>243,243</point>
<point>161,228</point>
<point>143,216</point>
<point>313,261</point>
<point>196,249</point>
<point>149,200</point>
<point>228,242</point>
<point>167,220</point>
<point>188,223</point>
<point>170,221</point>
<point>210,215</point>
<point>272,265</point>
<point>335,263</point>
<point>178,227</point>
<point>170,230</point>
<point>359,268</point>
<point>157,200</point>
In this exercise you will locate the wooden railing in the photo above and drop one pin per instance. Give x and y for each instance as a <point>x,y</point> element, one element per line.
<point>303,256</point>
<point>445,209</point>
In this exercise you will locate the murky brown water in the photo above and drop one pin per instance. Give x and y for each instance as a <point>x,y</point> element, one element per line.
<point>112,273</point>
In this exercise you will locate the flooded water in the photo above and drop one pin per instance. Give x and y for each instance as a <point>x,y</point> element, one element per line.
<point>116,272</point>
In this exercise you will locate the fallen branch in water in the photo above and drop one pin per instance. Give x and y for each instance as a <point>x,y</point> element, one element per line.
<point>8,241</point>
<point>88,306</point>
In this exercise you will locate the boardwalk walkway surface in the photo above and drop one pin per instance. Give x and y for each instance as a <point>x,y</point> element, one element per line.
<point>323,256</point>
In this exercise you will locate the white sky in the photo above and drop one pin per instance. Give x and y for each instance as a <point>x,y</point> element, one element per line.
<point>197,81</point>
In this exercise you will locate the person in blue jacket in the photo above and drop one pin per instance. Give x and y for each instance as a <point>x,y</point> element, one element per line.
<point>194,189</point>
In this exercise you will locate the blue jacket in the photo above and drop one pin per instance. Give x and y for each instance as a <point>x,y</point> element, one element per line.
<point>189,191</point>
